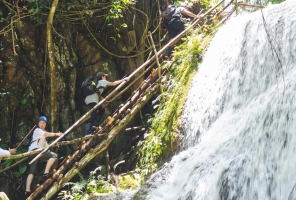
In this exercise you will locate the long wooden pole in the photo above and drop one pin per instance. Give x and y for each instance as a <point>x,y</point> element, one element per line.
<point>157,61</point>
<point>25,137</point>
<point>23,155</point>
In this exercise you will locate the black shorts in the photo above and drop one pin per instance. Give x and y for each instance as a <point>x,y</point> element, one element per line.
<point>44,157</point>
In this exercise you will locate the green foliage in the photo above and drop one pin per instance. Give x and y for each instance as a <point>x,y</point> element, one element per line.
<point>163,137</point>
<point>206,3</point>
<point>117,6</point>
<point>260,2</point>
<point>86,186</point>
<point>276,1</point>
<point>124,25</point>
<point>129,182</point>
<point>70,6</point>
<point>7,163</point>
<point>24,101</point>
<point>22,168</point>
<point>36,8</point>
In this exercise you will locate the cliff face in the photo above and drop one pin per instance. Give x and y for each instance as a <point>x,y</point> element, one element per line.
<point>82,48</point>
<point>84,43</point>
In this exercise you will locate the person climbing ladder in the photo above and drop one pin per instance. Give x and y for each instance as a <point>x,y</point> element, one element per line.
<point>39,141</point>
<point>175,26</point>
<point>92,99</point>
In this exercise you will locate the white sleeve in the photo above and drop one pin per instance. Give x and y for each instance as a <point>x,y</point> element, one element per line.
<point>37,134</point>
<point>4,152</point>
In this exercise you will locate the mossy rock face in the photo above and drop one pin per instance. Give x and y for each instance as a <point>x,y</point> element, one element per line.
<point>129,181</point>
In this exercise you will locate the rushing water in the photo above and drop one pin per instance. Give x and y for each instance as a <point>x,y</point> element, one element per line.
<point>240,116</point>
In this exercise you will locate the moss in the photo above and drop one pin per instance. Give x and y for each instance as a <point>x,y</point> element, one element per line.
<point>129,182</point>
<point>165,133</point>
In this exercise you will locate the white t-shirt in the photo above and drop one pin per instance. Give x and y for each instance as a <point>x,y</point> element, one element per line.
<point>94,98</point>
<point>4,152</point>
<point>38,140</point>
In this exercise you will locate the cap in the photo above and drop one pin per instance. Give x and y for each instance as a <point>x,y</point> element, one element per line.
<point>42,118</point>
<point>184,5</point>
<point>100,74</point>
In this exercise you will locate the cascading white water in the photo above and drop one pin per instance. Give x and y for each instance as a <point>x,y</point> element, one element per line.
<point>240,116</point>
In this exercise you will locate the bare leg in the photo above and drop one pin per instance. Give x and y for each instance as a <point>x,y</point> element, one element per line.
<point>49,164</point>
<point>29,182</point>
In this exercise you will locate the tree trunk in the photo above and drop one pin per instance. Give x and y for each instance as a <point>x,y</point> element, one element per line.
<point>50,48</point>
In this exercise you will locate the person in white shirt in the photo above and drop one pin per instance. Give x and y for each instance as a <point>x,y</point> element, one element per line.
<point>39,141</point>
<point>93,99</point>
<point>8,152</point>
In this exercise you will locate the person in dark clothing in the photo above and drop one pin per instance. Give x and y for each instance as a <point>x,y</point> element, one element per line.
<point>176,25</point>
<point>93,99</point>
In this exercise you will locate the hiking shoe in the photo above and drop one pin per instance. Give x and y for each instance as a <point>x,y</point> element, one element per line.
<point>27,194</point>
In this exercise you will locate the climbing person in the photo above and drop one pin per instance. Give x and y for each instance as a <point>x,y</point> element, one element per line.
<point>93,99</point>
<point>8,152</point>
<point>39,141</point>
<point>175,26</point>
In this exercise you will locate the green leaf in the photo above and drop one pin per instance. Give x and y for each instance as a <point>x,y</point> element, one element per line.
<point>4,146</point>
<point>124,25</point>
<point>31,11</point>
<point>7,163</point>
<point>24,101</point>
<point>22,168</point>
<point>17,174</point>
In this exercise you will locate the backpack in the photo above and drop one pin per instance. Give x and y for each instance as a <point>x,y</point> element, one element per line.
<point>167,15</point>
<point>88,86</point>
<point>28,141</point>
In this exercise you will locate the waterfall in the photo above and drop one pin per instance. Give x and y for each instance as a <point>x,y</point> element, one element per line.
<point>240,116</point>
